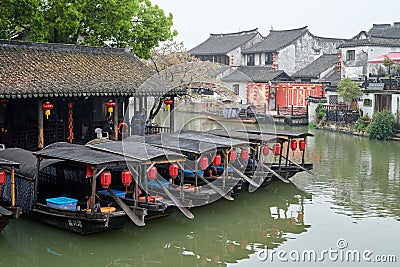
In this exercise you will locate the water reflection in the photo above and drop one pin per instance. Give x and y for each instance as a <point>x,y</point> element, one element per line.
<point>362,175</point>
<point>222,233</point>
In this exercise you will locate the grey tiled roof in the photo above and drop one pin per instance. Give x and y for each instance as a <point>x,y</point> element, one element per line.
<point>385,30</point>
<point>221,44</point>
<point>277,40</point>
<point>315,68</point>
<point>373,41</point>
<point>255,74</point>
<point>30,69</point>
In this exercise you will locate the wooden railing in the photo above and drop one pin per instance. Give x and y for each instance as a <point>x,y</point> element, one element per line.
<point>154,129</point>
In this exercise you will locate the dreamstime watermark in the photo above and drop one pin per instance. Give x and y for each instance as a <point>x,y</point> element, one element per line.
<point>340,253</point>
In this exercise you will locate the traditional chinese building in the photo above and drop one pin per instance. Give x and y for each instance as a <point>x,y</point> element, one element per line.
<point>57,92</point>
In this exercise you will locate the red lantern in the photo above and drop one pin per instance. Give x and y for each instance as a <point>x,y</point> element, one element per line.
<point>232,155</point>
<point>302,145</point>
<point>216,160</point>
<point>277,149</point>
<point>168,102</point>
<point>105,179</point>
<point>126,178</point>
<point>173,170</point>
<point>110,106</point>
<point>89,171</point>
<point>265,150</point>
<point>47,106</point>
<point>244,154</point>
<point>152,173</point>
<point>2,178</point>
<point>293,145</point>
<point>203,163</point>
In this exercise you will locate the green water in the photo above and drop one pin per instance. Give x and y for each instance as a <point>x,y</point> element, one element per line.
<point>354,196</point>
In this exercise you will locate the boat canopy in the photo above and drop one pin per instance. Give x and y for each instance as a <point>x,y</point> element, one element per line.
<point>276,133</point>
<point>253,138</point>
<point>4,162</point>
<point>81,154</point>
<point>211,138</point>
<point>137,150</point>
<point>27,167</point>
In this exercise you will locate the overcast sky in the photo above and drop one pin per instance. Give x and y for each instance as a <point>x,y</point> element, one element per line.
<point>196,19</point>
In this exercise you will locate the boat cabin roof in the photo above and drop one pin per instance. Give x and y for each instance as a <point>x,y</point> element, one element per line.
<point>218,140</point>
<point>276,133</point>
<point>27,167</point>
<point>9,163</point>
<point>81,154</point>
<point>179,143</point>
<point>138,151</point>
<point>253,138</point>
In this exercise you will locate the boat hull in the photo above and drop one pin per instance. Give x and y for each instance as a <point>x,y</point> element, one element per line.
<point>79,222</point>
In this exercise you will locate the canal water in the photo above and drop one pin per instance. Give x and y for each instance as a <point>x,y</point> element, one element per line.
<point>347,214</point>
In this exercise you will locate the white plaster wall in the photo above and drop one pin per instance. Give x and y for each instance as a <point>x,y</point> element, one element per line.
<point>287,59</point>
<point>242,90</point>
<point>396,107</point>
<point>367,110</point>
<point>237,56</point>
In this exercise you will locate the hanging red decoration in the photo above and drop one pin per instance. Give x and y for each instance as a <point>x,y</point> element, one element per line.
<point>203,163</point>
<point>173,171</point>
<point>277,149</point>
<point>126,178</point>
<point>232,155</point>
<point>293,145</point>
<point>152,173</point>
<point>168,102</point>
<point>244,154</point>
<point>110,106</point>
<point>216,160</point>
<point>265,150</point>
<point>47,106</point>
<point>2,178</point>
<point>302,145</point>
<point>89,171</point>
<point>105,179</point>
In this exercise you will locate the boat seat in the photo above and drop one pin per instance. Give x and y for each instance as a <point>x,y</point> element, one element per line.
<point>101,134</point>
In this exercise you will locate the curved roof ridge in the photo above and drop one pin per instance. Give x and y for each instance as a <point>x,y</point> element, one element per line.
<point>298,29</point>
<point>235,33</point>
<point>61,47</point>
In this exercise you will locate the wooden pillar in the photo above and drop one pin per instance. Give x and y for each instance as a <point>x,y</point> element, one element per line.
<point>172,116</point>
<point>12,187</point>
<point>140,103</point>
<point>93,196</point>
<point>115,119</point>
<point>40,125</point>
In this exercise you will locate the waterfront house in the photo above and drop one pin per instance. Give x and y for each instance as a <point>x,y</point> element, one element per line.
<point>358,63</point>
<point>226,48</point>
<point>289,50</point>
<point>56,92</point>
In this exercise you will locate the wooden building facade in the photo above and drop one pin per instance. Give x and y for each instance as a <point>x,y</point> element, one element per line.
<point>77,81</point>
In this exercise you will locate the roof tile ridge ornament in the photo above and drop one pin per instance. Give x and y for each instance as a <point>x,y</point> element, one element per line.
<point>61,47</point>
<point>253,31</point>
<point>305,28</point>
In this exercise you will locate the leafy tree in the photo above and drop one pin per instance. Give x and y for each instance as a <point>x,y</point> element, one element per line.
<point>381,128</point>
<point>117,23</point>
<point>349,90</point>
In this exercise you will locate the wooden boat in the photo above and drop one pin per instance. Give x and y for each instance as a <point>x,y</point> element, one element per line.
<point>157,190</point>
<point>206,183</point>
<point>268,164</point>
<point>8,212</point>
<point>237,113</point>
<point>56,189</point>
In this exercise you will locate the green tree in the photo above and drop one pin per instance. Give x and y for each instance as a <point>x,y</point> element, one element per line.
<point>349,90</point>
<point>381,128</point>
<point>117,23</point>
